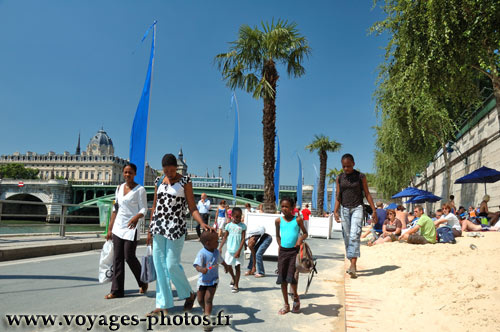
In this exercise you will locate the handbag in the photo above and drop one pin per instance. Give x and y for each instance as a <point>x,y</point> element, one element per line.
<point>106,262</point>
<point>148,273</point>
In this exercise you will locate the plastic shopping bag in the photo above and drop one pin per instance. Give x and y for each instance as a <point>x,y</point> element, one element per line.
<point>106,263</point>
<point>148,273</point>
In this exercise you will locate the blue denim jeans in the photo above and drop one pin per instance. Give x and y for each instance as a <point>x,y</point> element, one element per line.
<point>260,249</point>
<point>352,219</point>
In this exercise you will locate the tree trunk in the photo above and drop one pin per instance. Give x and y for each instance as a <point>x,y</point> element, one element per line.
<point>321,190</point>
<point>270,74</point>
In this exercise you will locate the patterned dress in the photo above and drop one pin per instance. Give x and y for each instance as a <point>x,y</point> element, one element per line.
<point>168,219</point>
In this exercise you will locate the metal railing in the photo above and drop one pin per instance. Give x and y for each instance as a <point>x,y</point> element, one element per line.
<point>63,215</point>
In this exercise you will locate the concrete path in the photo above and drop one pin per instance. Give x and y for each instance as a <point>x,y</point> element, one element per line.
<point>67,285</point>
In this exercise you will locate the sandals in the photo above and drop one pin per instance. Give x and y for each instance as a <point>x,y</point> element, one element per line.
<point>352,273</point>
<point>157,313</point>
<point>189,303</point>
<point>143,289</point>
<point>258,275</point>
<point>296,305</point>
<point>284,310</point>
<point>235,290</point>
<point>248,273</point>
<point>112,296</point>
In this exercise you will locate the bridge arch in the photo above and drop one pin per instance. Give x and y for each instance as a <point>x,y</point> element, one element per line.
<point>35,212</point>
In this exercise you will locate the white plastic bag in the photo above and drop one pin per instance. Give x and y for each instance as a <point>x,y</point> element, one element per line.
<point>106,263</point>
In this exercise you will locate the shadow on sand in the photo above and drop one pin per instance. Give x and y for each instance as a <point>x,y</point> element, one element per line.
<point>377,271</point>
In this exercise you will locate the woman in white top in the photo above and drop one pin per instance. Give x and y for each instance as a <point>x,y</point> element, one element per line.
<point>129,210</point>
<point>450,220</point>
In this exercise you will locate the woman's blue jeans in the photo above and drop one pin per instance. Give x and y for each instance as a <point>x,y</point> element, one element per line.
<point>260,249</point>
<point>352,223</point>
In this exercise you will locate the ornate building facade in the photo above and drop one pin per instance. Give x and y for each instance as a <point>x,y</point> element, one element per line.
<point>97,164</point>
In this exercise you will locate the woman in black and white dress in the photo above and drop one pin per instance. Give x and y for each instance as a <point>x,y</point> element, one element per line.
<point>167,233</point>
<point>128,212</point>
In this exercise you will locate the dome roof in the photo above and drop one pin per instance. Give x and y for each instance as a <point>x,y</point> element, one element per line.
<point>100,145</point>
<point>101,138</point>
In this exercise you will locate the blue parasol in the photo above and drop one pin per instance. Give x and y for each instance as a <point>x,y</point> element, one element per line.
<point>411,192</point>
<point>481,175</point>
<point>424,198</point>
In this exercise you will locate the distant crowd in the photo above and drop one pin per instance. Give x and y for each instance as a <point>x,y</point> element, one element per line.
<point>418,227</point>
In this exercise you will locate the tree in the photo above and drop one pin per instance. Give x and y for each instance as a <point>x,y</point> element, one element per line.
<point>333,174</point>
<point>18,171</point>
<point>251,64</point>
<point>322,145</point>
<point>438,54</point>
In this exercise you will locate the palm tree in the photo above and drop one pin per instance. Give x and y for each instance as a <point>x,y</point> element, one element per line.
<point>322,144</point>
<point>251,64</point>
<point>333,174</point>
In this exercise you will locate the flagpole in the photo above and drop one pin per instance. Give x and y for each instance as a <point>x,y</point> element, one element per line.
<point>149,102</point>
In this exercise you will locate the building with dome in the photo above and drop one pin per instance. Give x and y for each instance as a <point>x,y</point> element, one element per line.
<point>97,164</point>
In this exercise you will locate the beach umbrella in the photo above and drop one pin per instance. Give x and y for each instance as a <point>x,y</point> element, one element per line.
<point>391,206</point>
<point>411,192</point>
<point>424,198</point>
<point>481,175</point>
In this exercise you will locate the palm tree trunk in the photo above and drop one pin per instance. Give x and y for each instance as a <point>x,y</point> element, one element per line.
<point>322,172</point>
<point>270,74</point>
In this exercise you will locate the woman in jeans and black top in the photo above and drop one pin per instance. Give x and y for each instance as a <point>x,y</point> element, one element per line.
<point>350,190</point>
<point>128,211</point>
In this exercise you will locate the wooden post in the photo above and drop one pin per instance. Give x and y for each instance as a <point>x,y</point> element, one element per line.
<point>62,221</point>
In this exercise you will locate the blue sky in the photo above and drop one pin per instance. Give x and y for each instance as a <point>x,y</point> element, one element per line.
<point>69,66</point>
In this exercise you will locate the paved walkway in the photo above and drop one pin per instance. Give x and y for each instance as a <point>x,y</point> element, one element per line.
<point>67,284</point>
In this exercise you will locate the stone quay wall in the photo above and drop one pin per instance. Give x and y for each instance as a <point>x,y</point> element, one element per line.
<point>478,146</point>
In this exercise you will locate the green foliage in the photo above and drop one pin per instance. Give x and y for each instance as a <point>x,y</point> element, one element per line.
<point>323,144</point>
<point>244,65</point>
<point>437,55</point>
<point>332,175</point>
<point>18,171</point>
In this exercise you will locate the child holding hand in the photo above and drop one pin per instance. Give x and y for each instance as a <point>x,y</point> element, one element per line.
<point>235,235</point>
<point>207,263</point>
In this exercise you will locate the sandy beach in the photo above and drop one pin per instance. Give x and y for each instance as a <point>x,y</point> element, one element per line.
<point>441,287</point>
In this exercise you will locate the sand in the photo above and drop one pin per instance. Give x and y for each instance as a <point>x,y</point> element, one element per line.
<point>440,287</point>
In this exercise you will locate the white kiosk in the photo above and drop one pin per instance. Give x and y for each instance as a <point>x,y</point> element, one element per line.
<point>323,227</point>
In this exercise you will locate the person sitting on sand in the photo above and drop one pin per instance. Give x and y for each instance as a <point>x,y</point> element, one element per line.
<point>402,215</point>
<point>390,230</point>
<point>483,211</point>
<point>449,220</point>
<point>426,227</point>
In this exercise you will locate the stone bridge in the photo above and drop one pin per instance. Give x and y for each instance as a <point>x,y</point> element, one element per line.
<point>46,191</point>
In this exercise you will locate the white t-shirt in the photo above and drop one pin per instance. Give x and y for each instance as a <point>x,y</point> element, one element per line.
<point>129,205</point>
<point>452,221</point>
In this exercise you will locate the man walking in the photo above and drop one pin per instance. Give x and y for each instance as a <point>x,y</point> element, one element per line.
<point>204,209</point>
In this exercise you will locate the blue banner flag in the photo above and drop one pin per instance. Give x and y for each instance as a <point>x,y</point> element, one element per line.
<point>139,134</point>
<point>234,150</point>
<point>314,203</point>
<point>277,172</point>
<point>299,184</point>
